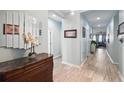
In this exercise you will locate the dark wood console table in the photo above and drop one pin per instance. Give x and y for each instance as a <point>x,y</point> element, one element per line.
<point>39,69</point>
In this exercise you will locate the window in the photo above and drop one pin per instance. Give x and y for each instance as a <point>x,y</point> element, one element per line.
<point>94,37</point>
<point>100,38</point>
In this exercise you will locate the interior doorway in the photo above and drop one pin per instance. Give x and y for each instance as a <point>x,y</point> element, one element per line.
<point>54,38</point>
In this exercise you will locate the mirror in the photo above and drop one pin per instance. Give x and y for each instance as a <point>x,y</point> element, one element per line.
<point>12,27</point>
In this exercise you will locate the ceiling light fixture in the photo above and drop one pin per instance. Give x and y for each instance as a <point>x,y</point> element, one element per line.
<point>72,13</point>
<point>98,18</point>
<point>54,15</point>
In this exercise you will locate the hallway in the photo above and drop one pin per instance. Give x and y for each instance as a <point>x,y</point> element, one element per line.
<point>97,68</point>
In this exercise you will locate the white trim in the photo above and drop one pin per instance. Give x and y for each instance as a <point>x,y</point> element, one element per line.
<point>83,61</point>
<point>112,61</point>
<point>67,63</point>
<point>57,56</point>
<point>121,76</point>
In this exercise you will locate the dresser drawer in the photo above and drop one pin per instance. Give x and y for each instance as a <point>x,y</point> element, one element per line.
<point>14,74</point>
<point>39,69</point>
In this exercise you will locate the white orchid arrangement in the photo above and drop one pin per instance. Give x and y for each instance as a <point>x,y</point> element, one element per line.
<point>33,41</point>
<point>29,39</point>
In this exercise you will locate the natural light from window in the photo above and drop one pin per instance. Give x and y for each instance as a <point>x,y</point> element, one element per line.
<point>100,38</point>
<point>94,37</point>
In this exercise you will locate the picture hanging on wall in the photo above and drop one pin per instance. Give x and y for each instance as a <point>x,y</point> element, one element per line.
<point>8,29</point>
<point>121,28</point>
<point>16,29</point>
<point>70,33</point>
<point>108,38</point>
<point>84,32</point>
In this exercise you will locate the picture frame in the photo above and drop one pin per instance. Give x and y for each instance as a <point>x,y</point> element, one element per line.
<point>8,29</point>
<point>108,38</point>
<point>70,33</point>
<point>16,29</point>
<point>83,32</point>
<point>121,28</point>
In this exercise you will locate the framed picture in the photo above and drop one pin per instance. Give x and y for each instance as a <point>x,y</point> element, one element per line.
<point>108,38</point>
<point>8,29</point>
<point>84,32</point>
<point>121,28</point>
<point>70,33</point>
<point>16,29</point>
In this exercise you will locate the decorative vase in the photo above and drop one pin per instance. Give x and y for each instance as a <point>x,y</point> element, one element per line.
<point>32,54</point>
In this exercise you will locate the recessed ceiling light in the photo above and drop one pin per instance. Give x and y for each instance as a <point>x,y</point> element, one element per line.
<point>98,25</point>
<point>98,18</point>
<point>72,13</point>
<point>54,15</point>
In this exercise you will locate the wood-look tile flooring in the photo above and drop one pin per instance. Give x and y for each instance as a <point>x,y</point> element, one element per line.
<point>97,68</point>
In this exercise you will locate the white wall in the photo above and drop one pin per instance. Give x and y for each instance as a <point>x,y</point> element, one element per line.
<point>75,50</point>
<point>71,46</point>
<point>114,45</point>
<point>98,30</point>
<point>9,53</point>
<point>85,42</point>
<point>55,28</point>
<point>110,31</point>
<point>116,48</point>
<point>121,46</point>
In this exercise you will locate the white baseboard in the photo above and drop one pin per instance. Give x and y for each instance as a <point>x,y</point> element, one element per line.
<point>73,65</point>
<point>121,76</point>
<point>112,61</point>
<point>67,63</point>
<point>83,61</point>
<point>57,56</point>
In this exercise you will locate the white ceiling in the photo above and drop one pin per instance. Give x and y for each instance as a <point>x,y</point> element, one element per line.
<point>65,12</point>
<point>61,13</point>
<point>105,16</point>
<point>58,16</point>
<point>91,16</point>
